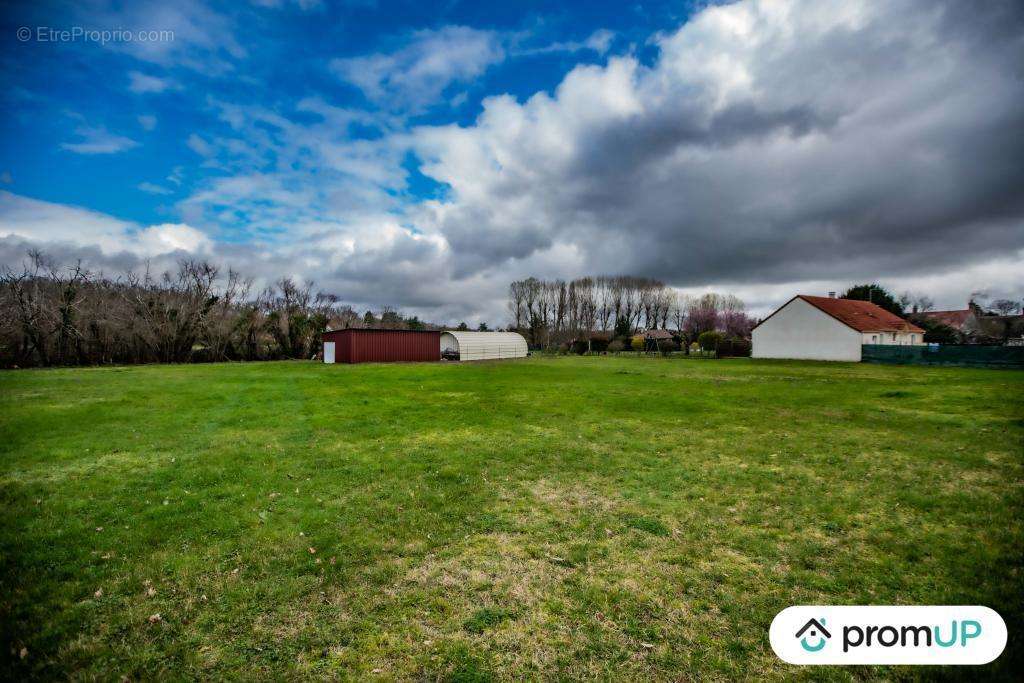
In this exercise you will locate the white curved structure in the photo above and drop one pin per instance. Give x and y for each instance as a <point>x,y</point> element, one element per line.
<point>483,345</point>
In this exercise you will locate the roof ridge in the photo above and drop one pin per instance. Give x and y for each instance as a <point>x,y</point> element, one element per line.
<point>859,315</point>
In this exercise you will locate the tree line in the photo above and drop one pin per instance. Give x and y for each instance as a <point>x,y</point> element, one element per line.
<point>53,314</point>
<point>550,313</point>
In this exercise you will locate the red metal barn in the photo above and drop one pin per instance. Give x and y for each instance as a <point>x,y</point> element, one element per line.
<point>381,346</point>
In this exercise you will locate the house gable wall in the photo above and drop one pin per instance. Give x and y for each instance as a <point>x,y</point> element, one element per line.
<point>802,331</point>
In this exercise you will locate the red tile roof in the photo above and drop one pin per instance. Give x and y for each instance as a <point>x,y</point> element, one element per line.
<point>954,319</point>
<point>862,316</point>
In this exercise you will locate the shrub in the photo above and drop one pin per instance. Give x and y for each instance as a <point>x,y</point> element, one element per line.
<point>616,346</point>
<point>638,343</point>
<point>734,347</point>
<point>938,333</point>
<point>667,346</point>
<point>710,340</point>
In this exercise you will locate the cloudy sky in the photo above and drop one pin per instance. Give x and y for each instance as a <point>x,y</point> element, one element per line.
<point>422,157</point>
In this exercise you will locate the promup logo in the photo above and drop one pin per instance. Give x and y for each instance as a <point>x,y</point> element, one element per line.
<point>888,635</point>
<point>817,629</point>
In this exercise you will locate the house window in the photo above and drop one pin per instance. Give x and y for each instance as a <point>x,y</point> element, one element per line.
<point>874,339</point>
<point>913,338</point>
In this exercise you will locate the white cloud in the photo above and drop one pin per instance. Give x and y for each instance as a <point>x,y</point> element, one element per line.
<point>599,41</point>
<point>200,146</point>
<point>45,223</point>
<point>304,5</point>
<point>139,82</point>
<point>169,238</point>
<point>98,140</point>
<point>153,188</point>
<point>415,76</point>
<point>190,34</point>
<point>147,121</point>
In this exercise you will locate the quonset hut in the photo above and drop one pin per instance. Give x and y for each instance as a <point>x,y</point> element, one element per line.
<point>458,345</point>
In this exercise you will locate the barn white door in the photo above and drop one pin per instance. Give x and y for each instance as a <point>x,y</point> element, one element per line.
<point>328,352</point>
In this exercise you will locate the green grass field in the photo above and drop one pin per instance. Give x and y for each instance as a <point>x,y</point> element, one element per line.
<point>547,518</point>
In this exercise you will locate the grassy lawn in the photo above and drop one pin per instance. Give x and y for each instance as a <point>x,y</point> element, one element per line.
<point>556,518</point>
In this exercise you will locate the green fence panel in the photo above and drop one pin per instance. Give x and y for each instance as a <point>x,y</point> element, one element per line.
<point>974,356</point>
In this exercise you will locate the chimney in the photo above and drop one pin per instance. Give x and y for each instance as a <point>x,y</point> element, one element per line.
<point>831,295</point>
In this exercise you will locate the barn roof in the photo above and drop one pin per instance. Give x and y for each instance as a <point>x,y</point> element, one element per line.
<point>862,316</point>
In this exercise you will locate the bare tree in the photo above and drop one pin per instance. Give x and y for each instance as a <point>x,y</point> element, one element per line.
<point>517,304</point>
<point>915,303</point>
<point>1006,306</point>
<point>52,314</point>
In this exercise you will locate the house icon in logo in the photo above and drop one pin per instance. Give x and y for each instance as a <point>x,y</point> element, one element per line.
<point>817,630</point>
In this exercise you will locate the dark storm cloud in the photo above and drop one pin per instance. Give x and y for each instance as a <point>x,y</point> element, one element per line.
<point>854,140</point>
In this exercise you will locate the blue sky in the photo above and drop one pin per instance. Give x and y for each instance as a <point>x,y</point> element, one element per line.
<point>145,110</point>
<point>423,156</point>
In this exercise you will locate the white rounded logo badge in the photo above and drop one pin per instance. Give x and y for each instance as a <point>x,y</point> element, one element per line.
<point>820,634</point>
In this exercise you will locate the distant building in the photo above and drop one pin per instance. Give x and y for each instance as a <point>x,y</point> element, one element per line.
<point>367,345</point>
<point>658,335</point>
<point>826,328</point>
<point>952,319</point>
<point>976,326</point>
<point>466,345</point>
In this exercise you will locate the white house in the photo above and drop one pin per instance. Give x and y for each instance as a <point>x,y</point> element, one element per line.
<point>826,328</point>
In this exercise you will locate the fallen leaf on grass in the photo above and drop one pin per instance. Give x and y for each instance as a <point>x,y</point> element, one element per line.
<point>155,618</point>
<point>98,594</point>
<point>312,550</point>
